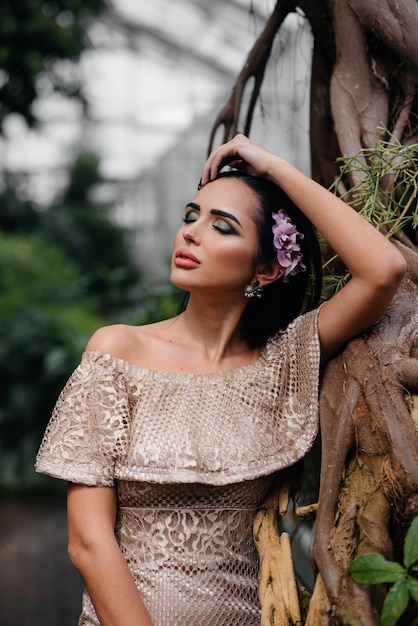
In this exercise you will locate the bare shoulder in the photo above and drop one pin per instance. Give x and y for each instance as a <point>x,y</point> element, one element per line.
<point>122,341</point>
<point>111,339</point>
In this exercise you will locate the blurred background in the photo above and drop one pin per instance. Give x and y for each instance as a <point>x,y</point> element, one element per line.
<point>106,107</point>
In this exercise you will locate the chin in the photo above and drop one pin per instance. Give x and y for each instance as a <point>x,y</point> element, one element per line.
<point>178,281</point>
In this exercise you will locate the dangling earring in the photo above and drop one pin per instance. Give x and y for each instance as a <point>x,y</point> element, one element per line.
<point>253,290</point>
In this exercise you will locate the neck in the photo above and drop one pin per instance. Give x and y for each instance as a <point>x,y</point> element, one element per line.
<point>213,327</point>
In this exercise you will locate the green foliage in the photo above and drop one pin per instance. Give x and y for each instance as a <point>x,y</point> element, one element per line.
<point>45,319</point>
<point>386,195</point>
<point>100,248</point>
<point>65,272</point>
<point>387,185</point>
<point>374,569</point>
<point>35,273</point>
<point>159,305</point>
<point>34,34</point>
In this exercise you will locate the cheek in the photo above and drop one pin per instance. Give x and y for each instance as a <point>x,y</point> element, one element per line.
<point>239,260</point>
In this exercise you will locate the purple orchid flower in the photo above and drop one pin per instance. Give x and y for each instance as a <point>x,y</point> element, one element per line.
<point>285,242</point>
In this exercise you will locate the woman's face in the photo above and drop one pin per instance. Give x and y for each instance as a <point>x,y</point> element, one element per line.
<point>215,248</point>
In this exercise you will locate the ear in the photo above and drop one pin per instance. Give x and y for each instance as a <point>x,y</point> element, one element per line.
<point>269,272</point>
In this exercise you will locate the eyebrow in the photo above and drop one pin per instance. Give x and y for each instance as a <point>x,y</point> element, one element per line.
<point>193,205</point>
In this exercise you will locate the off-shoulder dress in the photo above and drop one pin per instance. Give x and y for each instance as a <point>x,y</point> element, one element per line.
<point>191,457</point>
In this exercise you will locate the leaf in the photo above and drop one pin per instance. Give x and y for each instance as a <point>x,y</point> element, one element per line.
<point>395,603</point>
<point>374,568</point>
<point>413,587</point>
<point>411,545</point>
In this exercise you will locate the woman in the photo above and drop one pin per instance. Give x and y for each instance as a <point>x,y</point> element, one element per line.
<point>171,434</point>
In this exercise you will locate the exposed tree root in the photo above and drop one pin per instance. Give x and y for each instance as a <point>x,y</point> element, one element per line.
<point>364,80</point>
<point>277,583</point>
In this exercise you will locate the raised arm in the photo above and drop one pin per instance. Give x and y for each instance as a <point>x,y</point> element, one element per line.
<point>95,553</point>
<point>375,265</point>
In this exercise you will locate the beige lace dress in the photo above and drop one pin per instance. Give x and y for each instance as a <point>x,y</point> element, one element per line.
<point>191,456</point>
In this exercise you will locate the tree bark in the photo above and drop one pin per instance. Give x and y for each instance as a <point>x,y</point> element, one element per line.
<point>364,88</point>
<point>278,590</point>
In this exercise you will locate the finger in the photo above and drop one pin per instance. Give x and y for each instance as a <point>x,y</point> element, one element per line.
<point>226,154</point>
<point>219,159</point>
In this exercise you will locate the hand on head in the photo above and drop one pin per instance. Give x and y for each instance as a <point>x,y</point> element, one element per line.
<point>239,153</point>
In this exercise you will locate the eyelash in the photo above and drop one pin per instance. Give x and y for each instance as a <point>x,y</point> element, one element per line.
<point>222,231</point>
<point>185,220</point>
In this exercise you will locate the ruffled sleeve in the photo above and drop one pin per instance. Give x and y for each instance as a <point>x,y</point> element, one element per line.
<point>292,378</point>
<point>88,430</point>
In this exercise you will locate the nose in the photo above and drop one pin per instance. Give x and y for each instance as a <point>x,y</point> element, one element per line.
<point>191,234</point>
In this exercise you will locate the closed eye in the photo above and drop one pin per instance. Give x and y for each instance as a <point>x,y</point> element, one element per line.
<point>190,217</point>
<point>220,225</point>
<point>223,227</point>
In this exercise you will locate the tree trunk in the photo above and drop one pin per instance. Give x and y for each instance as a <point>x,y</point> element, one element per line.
<point>364,89</point>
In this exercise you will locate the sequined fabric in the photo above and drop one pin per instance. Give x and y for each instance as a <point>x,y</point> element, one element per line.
<point>192,457</point>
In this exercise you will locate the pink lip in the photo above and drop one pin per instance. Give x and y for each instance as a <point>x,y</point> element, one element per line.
<point>184,258</point>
